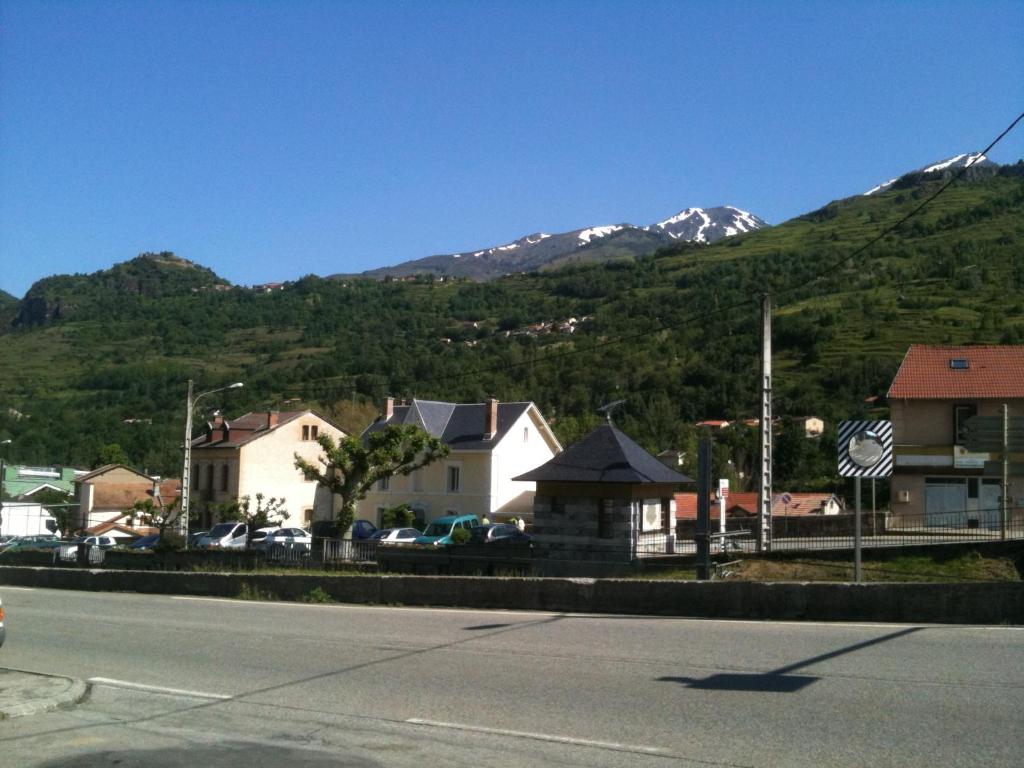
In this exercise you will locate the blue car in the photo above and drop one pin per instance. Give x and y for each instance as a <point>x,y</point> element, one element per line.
<point>146,542</point>
<point>440,531</point>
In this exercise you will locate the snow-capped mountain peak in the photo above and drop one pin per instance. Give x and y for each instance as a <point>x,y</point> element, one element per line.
<point>951,164</point>
<point>705,225</point>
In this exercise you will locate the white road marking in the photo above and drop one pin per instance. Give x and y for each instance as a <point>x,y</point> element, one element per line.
<point>19,589</point>
<point>110,683</point>
<point>536,736</point>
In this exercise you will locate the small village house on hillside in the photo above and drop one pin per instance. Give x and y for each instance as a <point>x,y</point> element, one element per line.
<point>936,479</point>
<point>255,453</point>
<point>603,501</point>
<point>107,494</point>
<point>490,443</point>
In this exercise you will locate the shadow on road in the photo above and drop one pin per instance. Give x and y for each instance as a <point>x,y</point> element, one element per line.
<point>231,754</point>
<point>777,680</point>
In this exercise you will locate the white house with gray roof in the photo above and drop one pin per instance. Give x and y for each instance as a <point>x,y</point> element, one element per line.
<point>490,443</point>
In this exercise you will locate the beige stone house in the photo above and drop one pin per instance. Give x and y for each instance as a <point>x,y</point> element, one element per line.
<point>936,480</point>
<point>255,453</point>
<point>490,443</point>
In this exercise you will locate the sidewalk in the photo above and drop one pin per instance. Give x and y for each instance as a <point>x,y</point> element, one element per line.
<point>28,693</point>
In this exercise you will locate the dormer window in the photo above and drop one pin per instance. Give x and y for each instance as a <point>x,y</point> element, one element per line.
<point>959,364</point>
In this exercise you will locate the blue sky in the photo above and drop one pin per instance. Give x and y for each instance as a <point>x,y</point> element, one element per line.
<point>268,140</point>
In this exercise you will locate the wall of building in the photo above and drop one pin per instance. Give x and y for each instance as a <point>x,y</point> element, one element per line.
<point>426,489</point>
<point>267,466</point>
<point>926,450</point>
<point>24,519</point>
<point>524,447</point>
<point>567,521</point>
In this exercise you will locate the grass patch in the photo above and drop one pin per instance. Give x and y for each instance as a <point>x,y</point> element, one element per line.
<point>971,566</point>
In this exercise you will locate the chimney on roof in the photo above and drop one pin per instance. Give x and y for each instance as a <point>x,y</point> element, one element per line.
<point>272,418</point>
<point>389,407</point>
<point>491,421</point>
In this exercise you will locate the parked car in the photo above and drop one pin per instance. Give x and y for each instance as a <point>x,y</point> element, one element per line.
<point>3,632</point>
<point>259,538</point>
<point>146,542</point>
<point>103,542</point>
<point>498,533</point>
<point>396,535</point>
<point>440,531</point>
<point>225,536</point>
<point>290,538</point>
<point>360,530</point>
<point>35,541</point>
<point>194,537</point>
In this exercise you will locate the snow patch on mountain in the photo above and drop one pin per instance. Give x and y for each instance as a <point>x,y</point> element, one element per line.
<point>587,234</point>
<point>965,160</point>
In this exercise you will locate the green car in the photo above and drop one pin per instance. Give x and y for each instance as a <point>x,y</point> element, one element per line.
<point>440,531</point>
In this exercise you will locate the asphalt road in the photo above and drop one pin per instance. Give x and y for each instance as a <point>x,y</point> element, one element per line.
<point>205,682</point>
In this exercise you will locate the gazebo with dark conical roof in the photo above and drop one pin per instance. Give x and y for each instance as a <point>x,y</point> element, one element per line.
<point>603,500</point>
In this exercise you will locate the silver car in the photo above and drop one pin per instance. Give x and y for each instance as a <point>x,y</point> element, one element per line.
<point>225,536</point>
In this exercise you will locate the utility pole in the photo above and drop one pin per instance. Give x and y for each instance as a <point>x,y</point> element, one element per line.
<point>764,494</point>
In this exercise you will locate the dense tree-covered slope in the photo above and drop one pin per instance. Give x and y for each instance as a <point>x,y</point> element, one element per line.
<point>675,333</point>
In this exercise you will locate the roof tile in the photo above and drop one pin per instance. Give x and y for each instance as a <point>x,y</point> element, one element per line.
<point>991,372</point>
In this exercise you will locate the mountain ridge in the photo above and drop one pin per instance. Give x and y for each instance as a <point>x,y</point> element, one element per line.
<point>540,250</point>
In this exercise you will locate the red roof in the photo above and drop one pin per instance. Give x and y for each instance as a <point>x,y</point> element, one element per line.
<point>801,503</point>
<point>950,373</point>
<point>742,503</point>
<point>745,503</point>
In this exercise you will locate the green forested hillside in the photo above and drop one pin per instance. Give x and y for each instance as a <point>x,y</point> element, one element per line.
<point>674,333</point>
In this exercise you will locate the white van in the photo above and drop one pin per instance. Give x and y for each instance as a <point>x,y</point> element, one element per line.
<point>225,536</point>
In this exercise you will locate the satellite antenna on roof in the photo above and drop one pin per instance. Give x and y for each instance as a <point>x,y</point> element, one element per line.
<point>607,409</point>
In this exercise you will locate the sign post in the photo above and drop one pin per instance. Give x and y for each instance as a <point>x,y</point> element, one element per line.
<point>865,450</point>
<point>723,498</point>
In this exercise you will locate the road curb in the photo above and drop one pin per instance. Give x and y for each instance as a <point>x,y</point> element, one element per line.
<point>73,693</point>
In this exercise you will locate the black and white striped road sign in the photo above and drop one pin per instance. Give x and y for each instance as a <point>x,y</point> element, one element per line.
<point>865,448</point>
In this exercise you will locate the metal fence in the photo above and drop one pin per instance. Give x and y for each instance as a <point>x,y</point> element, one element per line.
<point>344,551</point>
<point>824,532</point>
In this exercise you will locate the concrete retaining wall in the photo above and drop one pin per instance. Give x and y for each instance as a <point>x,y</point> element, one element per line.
<point>973,603</point>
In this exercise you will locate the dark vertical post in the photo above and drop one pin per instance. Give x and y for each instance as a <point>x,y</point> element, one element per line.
<point>701,536</point>
<point>856,531</point>
<point>1004,502</point>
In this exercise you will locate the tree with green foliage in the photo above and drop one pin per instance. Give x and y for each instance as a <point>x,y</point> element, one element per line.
<point>349,467</point>
<point>398,516</point>
<point>155,513</point>
<point>259,516</point>
<point>111,453</point>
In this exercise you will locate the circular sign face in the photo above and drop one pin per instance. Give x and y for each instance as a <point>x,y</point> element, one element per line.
<point>865,448</point>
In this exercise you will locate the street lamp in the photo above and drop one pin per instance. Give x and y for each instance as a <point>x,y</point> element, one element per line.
<point>3,472</point>
<point>186,474</point>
